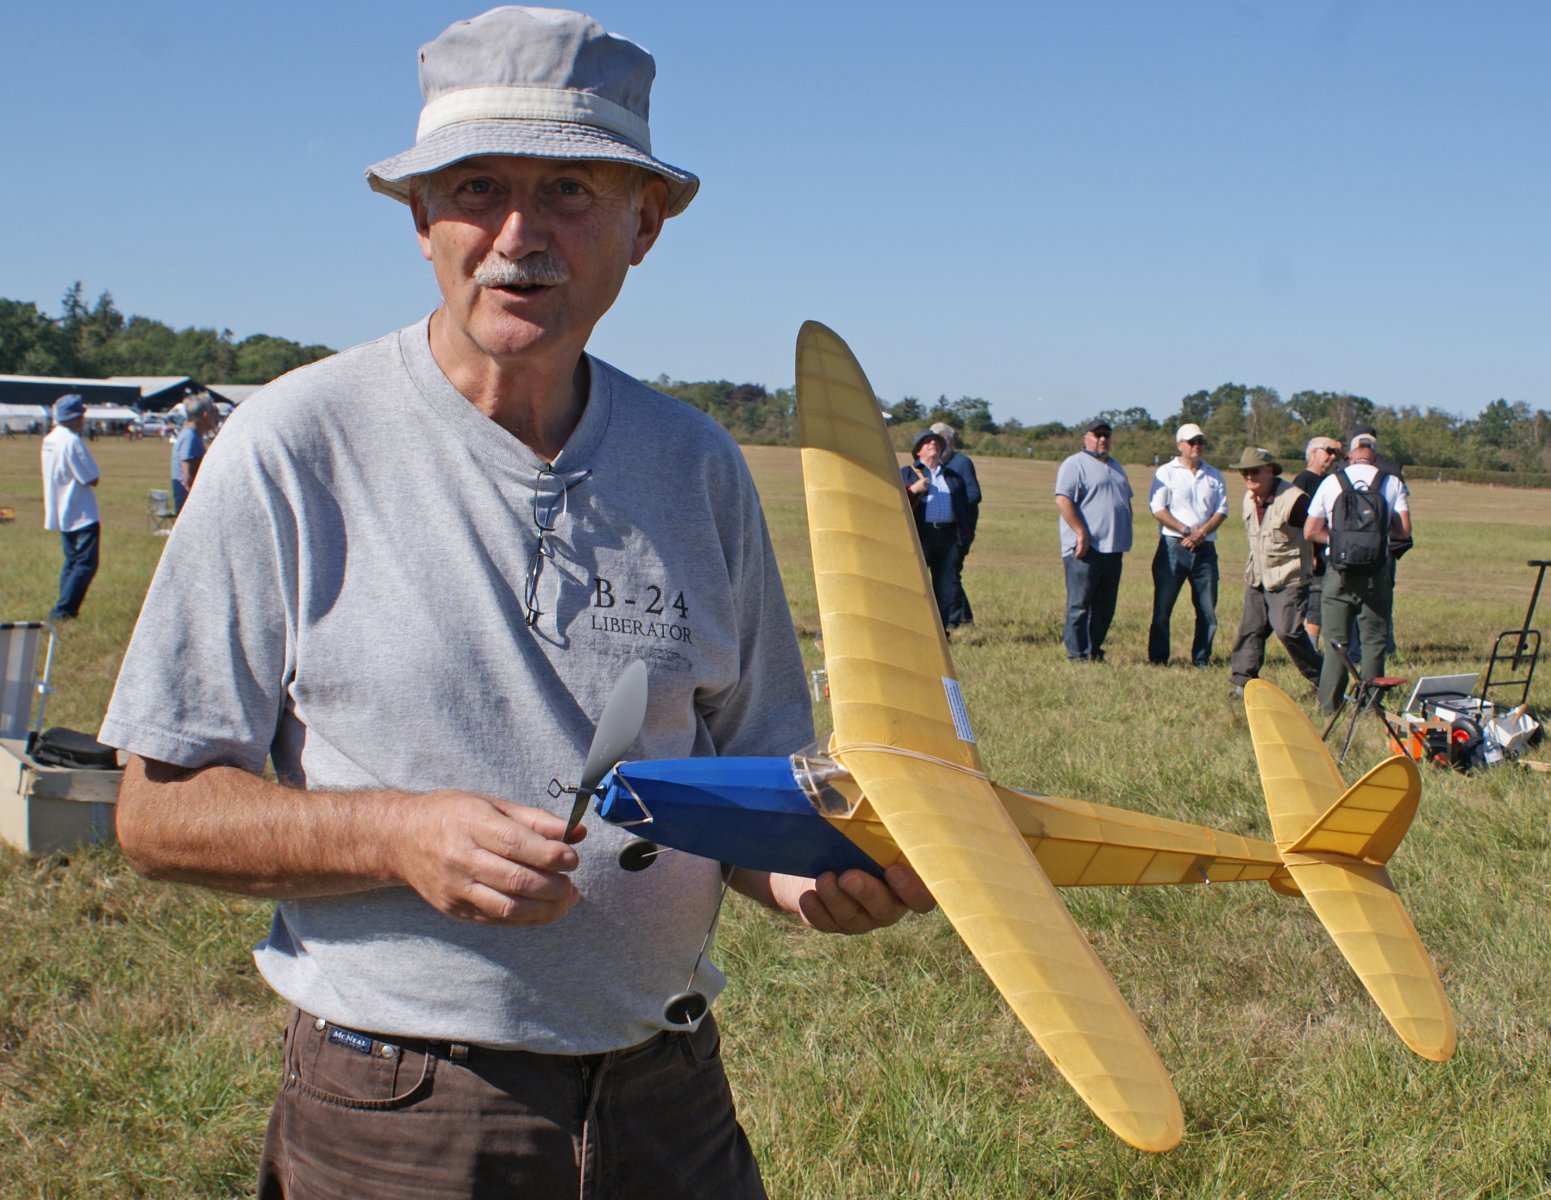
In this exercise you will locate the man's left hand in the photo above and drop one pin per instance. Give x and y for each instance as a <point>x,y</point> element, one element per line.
<point>853,902</point>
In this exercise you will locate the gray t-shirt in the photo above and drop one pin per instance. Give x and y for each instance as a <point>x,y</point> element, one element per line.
<point>344,594</point>
<point>1102,493</point>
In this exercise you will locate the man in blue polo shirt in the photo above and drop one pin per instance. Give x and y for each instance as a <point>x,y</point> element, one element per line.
<point>1093,497</point>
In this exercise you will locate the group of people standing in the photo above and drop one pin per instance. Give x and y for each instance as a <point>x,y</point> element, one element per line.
<point>1318,558</point>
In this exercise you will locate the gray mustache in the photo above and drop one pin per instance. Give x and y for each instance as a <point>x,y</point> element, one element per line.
<point>537,269</point>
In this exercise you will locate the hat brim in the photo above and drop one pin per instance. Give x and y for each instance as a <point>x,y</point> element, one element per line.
<point>526,139</point>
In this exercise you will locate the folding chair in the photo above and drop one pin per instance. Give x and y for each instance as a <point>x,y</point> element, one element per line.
<point>159,513</point>
<point>19,681</point>
<point>1370,693</point>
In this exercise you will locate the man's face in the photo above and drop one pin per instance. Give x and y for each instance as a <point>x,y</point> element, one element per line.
<point>1190,452</point>
<point>1096,441</point>
<point>1327,457</point>
<point>929,453</point>
<point>1258,480</point>
<point>549,240</point>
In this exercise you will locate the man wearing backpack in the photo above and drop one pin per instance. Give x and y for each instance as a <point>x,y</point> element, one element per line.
<point>1356,511</point>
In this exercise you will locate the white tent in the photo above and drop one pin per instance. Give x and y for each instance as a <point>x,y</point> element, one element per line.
<point>19,417</point>
<point>112,414</point>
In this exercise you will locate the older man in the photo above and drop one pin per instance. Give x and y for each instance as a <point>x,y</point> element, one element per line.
<point>940,505</point>
<point>188,449</point>
<point>953,459</point>
<point>1189,500</point>
<point>1320,456</point>
<point>1355,513</point>
<point>1278,560</point>
<point>405,582</point>
<point>1093,497</point>
<point>70,505</point>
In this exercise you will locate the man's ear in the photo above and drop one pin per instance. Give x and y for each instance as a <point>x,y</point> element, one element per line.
<point>651,211</point>
<point>422,216</point>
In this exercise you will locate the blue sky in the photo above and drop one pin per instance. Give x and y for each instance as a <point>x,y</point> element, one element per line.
<point>1059,208</point>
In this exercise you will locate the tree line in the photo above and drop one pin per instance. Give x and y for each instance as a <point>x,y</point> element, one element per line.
<point>95,341</point>
<point>1504,437</point>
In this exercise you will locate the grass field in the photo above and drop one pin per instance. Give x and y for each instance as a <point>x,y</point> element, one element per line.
<point>138,1049</point>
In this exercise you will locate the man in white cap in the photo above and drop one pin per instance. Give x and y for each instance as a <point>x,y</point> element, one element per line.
<point>411,580</point>
<point>1357,512</point>
<point>70,504</point>
<point>1189,500</point>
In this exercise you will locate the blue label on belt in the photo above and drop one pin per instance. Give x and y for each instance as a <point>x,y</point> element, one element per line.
<point>349,1039</point>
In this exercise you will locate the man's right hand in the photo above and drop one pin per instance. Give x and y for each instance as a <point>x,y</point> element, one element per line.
<point>481,859</point>
<point>1082,543</point>
<point>473,857</point>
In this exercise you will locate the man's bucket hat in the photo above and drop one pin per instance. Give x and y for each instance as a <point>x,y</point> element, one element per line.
<point>928,435</point>
<point>536,82</point>
<point>69,408</point>
<point>1252,457</point>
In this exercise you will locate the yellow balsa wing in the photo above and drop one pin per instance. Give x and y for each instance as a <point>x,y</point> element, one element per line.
<point>1332,851</point>
<point>884,649</point>
<point>901,731</point>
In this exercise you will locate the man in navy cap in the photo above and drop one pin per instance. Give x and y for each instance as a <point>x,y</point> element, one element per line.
<point>410,580</point>
<point>70,505</point>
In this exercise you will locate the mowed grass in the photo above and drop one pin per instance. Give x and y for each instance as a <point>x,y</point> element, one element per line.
<point>138,1050</point>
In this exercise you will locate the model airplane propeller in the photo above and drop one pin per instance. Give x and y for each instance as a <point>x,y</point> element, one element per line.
<point>901,779</point>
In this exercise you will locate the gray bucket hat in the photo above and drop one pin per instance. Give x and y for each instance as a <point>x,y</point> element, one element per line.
<point>536,82</point>
<point>1252,457</point>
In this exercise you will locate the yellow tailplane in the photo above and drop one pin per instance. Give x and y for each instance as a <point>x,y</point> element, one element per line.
<point>1335,843</point>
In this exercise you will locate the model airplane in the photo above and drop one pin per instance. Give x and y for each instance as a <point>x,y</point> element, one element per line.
<point>901,778</point>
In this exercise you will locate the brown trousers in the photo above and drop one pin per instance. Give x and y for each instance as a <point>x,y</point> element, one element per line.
<point>385,1119</point>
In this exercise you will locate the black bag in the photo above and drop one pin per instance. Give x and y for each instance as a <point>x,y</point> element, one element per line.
<point>68,748</point>
<point>1359,526</point>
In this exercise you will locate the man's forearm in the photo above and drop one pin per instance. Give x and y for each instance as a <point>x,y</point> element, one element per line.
<point>473,857</point>
<point>225,828</point>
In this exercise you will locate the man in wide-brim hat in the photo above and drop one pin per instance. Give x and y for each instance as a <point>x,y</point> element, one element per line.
<point>1279,561</point>
<point>410,577</point>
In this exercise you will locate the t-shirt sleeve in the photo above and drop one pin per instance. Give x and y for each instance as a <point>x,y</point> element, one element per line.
<point>1319,503</point>
<point>204,678</point>
<point>767,710</point>
<point>1222,496</point>
<point>1158,494</point>
<point>81,463</point>
<point>1299,512</point>
<point>1068,480</point>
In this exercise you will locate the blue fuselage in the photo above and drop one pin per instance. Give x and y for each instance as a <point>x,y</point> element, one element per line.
<point>748,812</point>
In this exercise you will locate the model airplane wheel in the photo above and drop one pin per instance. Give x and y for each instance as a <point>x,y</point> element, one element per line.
<point>639,855</point>
<point>685,1009</point>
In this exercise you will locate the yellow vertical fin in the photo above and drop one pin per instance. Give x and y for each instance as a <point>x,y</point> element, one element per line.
<point>1353,898</point>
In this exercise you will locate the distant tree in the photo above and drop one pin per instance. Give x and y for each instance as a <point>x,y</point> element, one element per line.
<point>96,332</point>
<point>971,413</point>
<point>261,357</point>
<point>1135,419</point>
<point>32,343</point>
<point>145,347</point>
<point>908,409</point>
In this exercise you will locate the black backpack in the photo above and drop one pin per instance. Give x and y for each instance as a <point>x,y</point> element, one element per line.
<point>1359,526</point>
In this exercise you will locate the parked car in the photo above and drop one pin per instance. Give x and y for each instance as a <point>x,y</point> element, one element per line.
<point>154,427</point>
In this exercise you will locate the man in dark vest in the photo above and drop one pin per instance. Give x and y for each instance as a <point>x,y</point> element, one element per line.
<point>1278,562</point>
